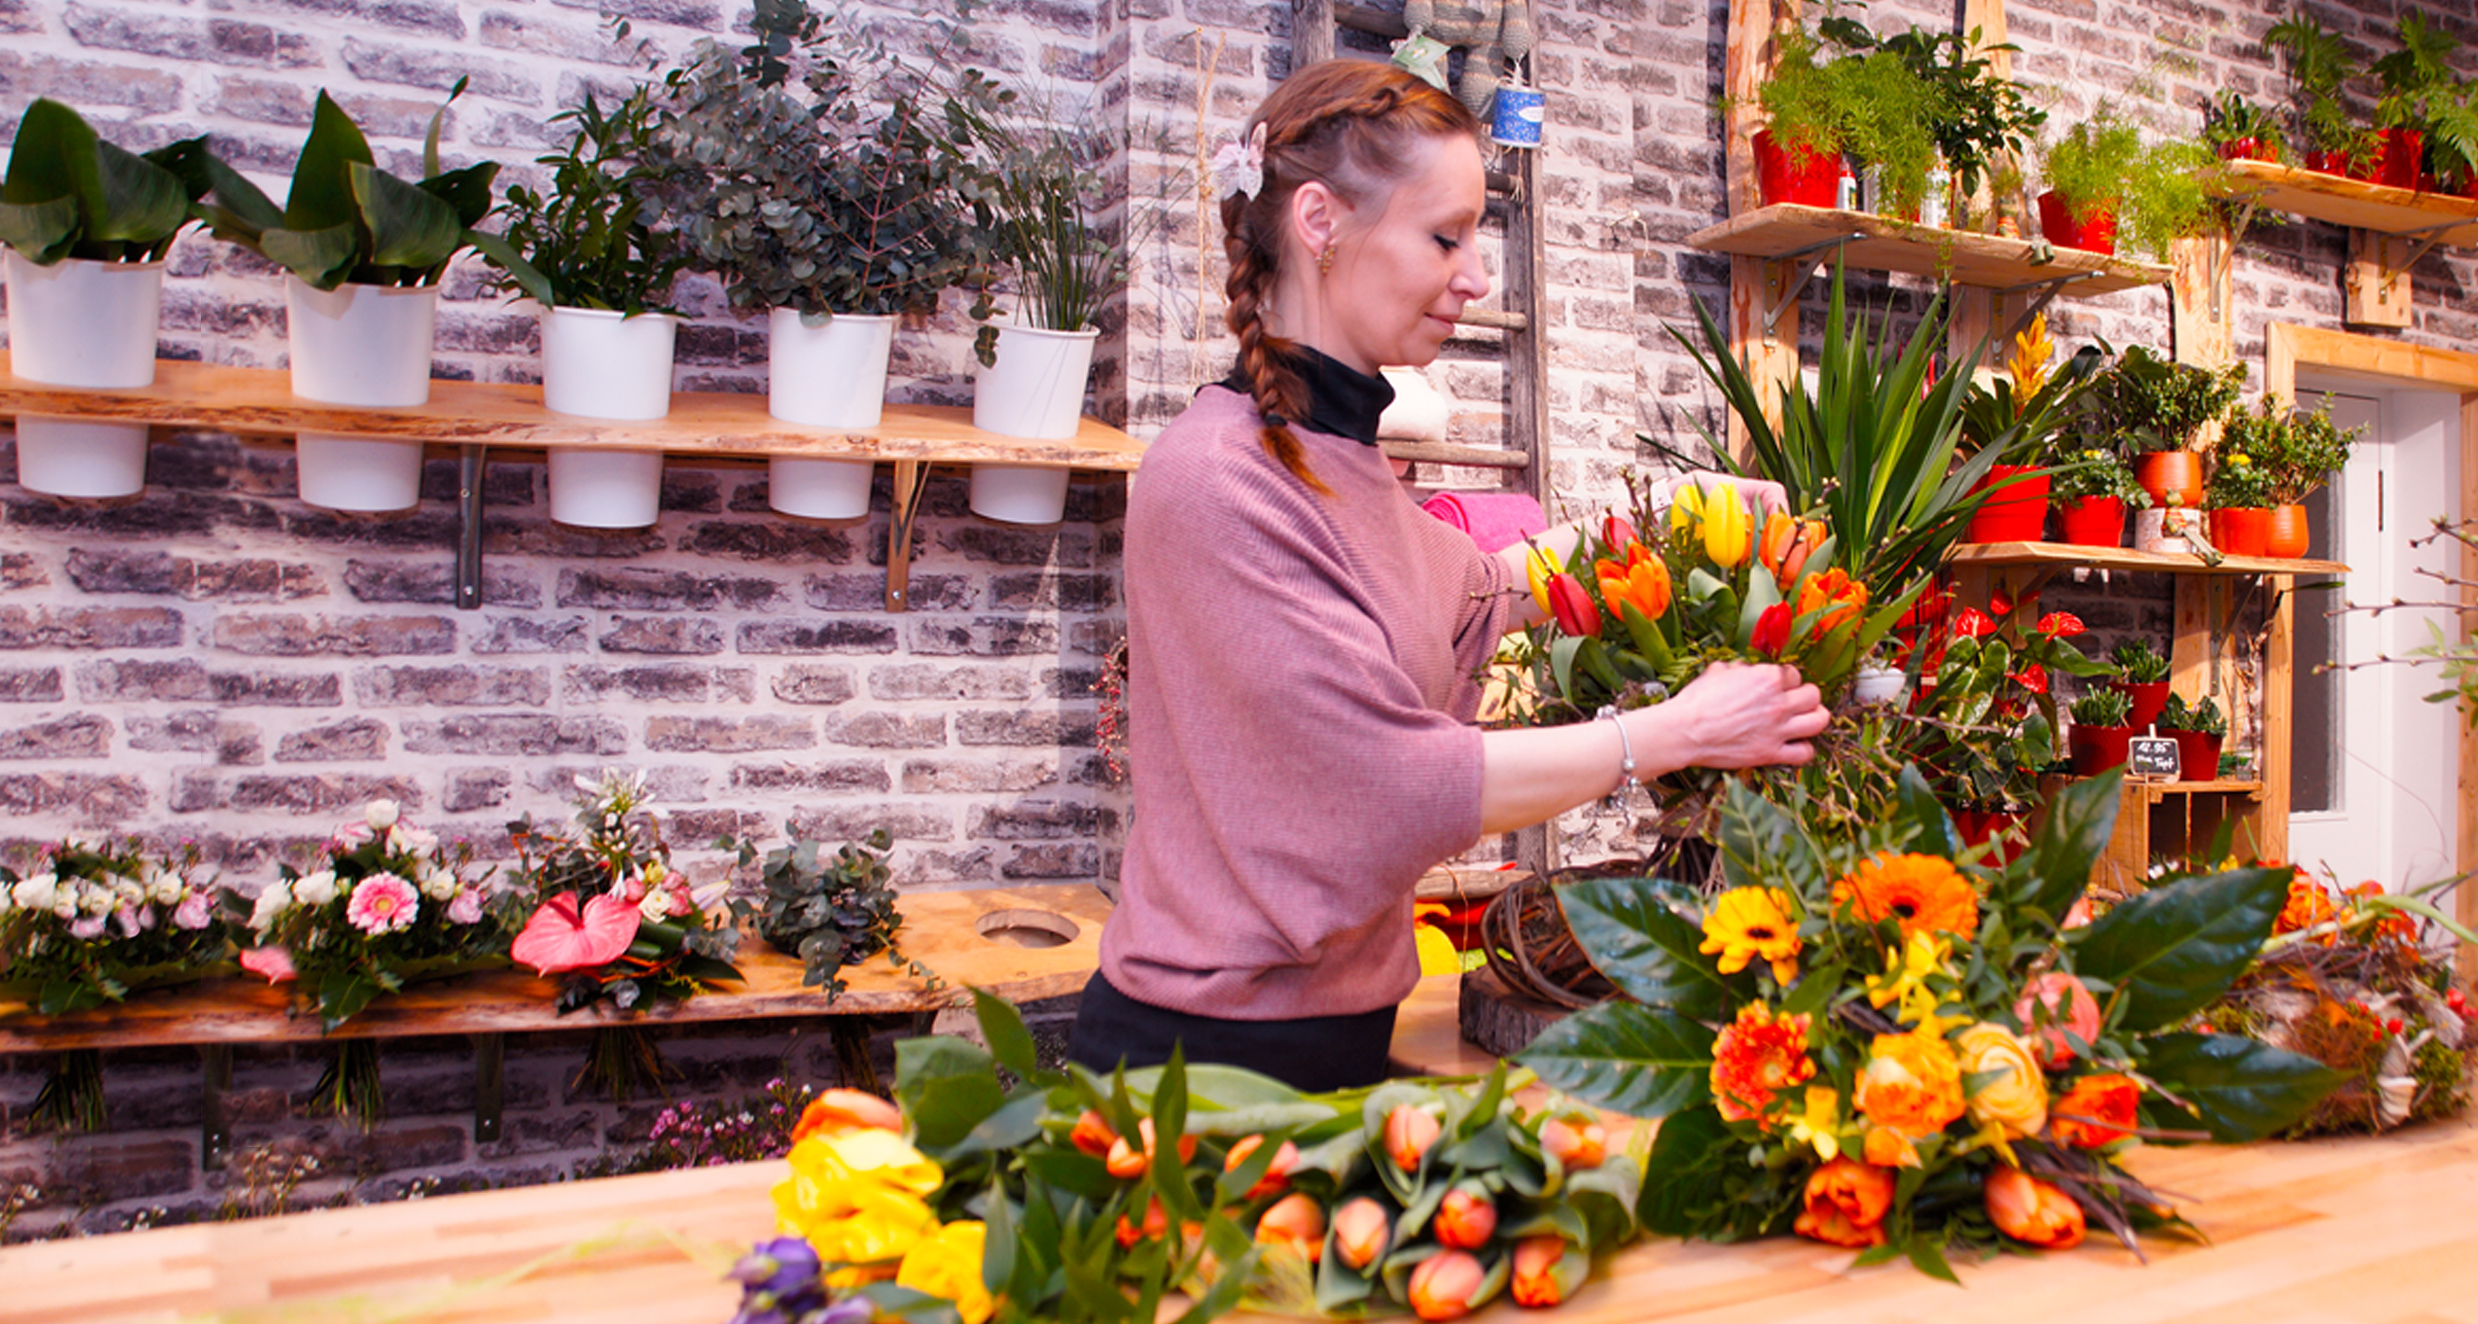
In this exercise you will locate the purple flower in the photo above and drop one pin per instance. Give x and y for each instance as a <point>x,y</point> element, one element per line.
<point>778,1267</point>
<point>466,908</point>
<point>86,927</point>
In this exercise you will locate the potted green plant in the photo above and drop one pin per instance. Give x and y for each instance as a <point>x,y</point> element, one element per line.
<point>1889,119</point>
<point>2240,130</point>
<point>2417,81</point>
<point>2100,732</point>
<point>86,225</point>
<point>1981,121</point>
<point>2239,499</point>
<point>2104,183</point>
<point>1798,151</point>
<point>2297,452</point>
<point>818,173</point>
<point>2092,490</point>
<point>2022,412</point>
<point>2452,142</point>
<point>601,273</point>
<point>363,252</point>
<point>2198,731</point>
<point>2151,408</point>
<point>2318,63</point>
<point>2142,677</point>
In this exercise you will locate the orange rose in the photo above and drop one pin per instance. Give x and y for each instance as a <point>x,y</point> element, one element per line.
<point>1912,1085</point>
<point>1443,1285</point>
<point>1536,1279</point>
<point>1294,1221</point>
<point>840,1110</point>
<point>1846,1204</point>
<point>2098,1109</point>
<point>2051,1006</point>
<point>2032,1211</point>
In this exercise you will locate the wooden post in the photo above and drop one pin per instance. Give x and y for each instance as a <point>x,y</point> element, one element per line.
<point>1975,307</point>
<point>2200,304</point>
<point>1768,349</point>
<point>2376,283</point>
<point>1312,32</point>
<point>2465,896</point>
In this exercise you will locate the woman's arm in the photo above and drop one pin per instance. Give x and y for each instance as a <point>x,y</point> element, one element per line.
<point>1734,715</point>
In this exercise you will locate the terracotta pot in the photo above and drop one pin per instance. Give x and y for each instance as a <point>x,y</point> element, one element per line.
<point>2164,472</point>
<point>2093,231</point>
<point>2198,755</point>
<point>1809,179</point>
<point>2240,530</point>
<point>2093,521</point>
<point>2287,535</point>
<point>2398,158</point>
<point>2016,513</point>
<point>2148,698</point>
<point>2003,826</point>
<point>2096,749</point>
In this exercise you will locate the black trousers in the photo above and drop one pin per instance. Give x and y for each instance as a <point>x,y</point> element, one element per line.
<point>1311,1053</point>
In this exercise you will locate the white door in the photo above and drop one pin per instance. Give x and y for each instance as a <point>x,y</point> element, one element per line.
<point>2374,768</point>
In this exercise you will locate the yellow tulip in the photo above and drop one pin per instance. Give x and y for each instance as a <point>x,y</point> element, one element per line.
<point>1728,532</point>
<point>1537,567</point>
<point>948,1265</point>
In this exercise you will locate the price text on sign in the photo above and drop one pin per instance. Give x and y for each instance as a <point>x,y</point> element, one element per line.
<point>2151,756</point>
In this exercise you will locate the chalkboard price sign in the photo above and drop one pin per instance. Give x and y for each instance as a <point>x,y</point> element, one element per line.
<point>2149,757</point>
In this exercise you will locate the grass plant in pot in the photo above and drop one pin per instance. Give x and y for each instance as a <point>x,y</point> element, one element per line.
<point>86,226</point>
<point>1979,122</point>
<point>818,173</point>
<point>364,251</point>
<point>2418,83</point>
<point>2142,677</point>
<point>2105,185</point>
<point>1889,116</point>
<point>2100,732</point>
<point>2239,499</point>
<point>2154,409</point>
<point>2317,63</point>
<point>2198,731</point>
<point>2297,451</point>
<point>601,273</point>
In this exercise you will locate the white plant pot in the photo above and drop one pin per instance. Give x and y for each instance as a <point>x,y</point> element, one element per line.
<point>605,489</point>
<point>80,323</point>
<point>820,489</point>
<point>1874,685</point>
<point>600,364</point>
<point>1036,389</point>
<point>830,373</point>
<point>2162,530</point>
<point>72,457</point>
<point>1019,493</point>
<point>366,345</point>
<point>358,473</point>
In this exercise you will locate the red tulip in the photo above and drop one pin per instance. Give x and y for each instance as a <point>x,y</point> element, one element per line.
<point>1575,1145</point>
<point>1361,1232</point>
<point>1772,630</point>
<point>1409,1131</point>
<point>1277,1173</point>
<point>1572,607</point>
<point>1092,1134</point>
<point>561,937</point>
<point>1536,1261</point>
<point>1616,532</point>
<point>1642,581</point>
<point>1785,545</point>
<point>1295,1221</point>
<point>2032,1211</point>
<point>839,1110</point>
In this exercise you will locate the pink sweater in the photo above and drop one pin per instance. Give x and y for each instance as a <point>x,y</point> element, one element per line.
<point>1300,687</point>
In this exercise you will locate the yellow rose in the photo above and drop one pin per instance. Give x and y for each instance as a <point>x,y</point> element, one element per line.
<point>2015,1100</point>
<point>859,1196</point>
<point>948,1265</point>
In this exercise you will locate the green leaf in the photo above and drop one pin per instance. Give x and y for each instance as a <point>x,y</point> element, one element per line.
<point>321,258</point>
<point>1003,1026</point>
<point>2174,948</point>
<point>1918,803</point>
<point>527,276</point>
<point>2242,1089</point>
<point>322,188</point>
<point>242,209</point>
<point>1929,1258</point>
<point>408,226</point>
<point>466,191</point>
<point>946,1087</point>
<point>142,202</point>
<point>1644,947</point>
<point>2080,820</point>
<point>43,232</point>
<point>1641,1061</point>
<point>1693,1157</point>
<point>54,156</point>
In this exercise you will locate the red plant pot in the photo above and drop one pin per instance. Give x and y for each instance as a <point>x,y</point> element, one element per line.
<point>2246,149</point>
<point>2328,163</point>
<point>2240,530</point>
<point>2096,749</point>
<point>1809,179</point>
<point>2398,158</point>
<point>2093,231</point>
<point>2148,697</point>
<point>2198,755</point>
<point>2003,826</point>
<point>2018,512</point>
<point>2093,521</point>
<point>2287,535</point>
<point>2162,473</point>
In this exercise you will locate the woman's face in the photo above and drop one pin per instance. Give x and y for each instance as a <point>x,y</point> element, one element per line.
<point>1404,267</point>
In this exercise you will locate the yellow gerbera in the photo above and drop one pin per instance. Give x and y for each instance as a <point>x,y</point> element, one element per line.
<point>1747,923</point>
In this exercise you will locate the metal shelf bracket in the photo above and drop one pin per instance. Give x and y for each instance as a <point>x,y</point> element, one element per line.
<point>1798,267</point>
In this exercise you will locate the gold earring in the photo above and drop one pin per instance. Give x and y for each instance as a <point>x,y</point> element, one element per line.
<point>1325,260</point>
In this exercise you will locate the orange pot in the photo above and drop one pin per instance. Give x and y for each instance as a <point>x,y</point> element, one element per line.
<point>2164,472</point>
<point>2240,530</point>
<point>2287,535</point>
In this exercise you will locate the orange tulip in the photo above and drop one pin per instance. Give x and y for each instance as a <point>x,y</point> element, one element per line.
<point>1277,1176</point>
<point>1466,1219</point>
<point>1536,1261</point>
<point>1786,544</point>
<point>1833,590</point>
<point>1092,1134</point>
<point>2032,1211</point>
<point>2050,1006</point>
<point>1295,1221</point>
<point>1361,1232</point>
<point>840,1110</point>
<point>2098,1109</point>
<point>1409,1131</point>
<point>1124,1160</point>
<point>1574,1145</point>
<point>1442,1286</point>
<point>1642,582</point>
<point>1845,1204</point>
<point>1155,1224</point>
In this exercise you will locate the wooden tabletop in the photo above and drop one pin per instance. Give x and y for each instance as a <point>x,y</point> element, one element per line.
<point>942,930</point>
<point>2370,1230</point>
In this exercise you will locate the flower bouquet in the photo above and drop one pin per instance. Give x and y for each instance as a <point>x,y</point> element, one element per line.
<point>1874,1046</point>
<point>387,905</point>
<point>1073,1197</point>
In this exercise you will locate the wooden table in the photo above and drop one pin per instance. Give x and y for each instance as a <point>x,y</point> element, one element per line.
<point>2366,1230</point>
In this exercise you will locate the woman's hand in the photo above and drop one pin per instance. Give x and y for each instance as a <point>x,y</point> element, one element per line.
<point>1769,495</point>
<point>1744,715</point>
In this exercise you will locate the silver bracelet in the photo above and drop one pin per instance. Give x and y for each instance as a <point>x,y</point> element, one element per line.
<point>1626,749</point>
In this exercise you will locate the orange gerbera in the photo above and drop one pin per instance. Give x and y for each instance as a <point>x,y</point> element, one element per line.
<point>2308,904</point>
<point>1910,1087</point>
<point>1755,1057</point>
<point>1925,893</point>
<point>2096,1110</point>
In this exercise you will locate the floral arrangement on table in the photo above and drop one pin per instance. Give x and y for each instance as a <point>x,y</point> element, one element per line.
<point>388,904</point>
<point>2346,980</point>
<point>98,920</point>
<point>1072,1197</point>
<point>830,911</point>
<point>1879,1044</point>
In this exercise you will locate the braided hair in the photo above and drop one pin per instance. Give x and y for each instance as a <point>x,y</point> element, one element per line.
<point>1347,124</point>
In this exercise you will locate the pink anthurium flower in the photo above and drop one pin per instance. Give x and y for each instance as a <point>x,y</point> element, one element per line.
<point>561,937</point>
<point>274,964</point>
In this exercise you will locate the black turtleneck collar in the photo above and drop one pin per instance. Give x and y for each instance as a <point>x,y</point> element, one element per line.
<point>1342,401</point>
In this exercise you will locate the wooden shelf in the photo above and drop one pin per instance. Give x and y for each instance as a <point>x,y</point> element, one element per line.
<point>2354,203</point>
<point>2068,555</point>
<point>2154,792</point>
<point>260,400</point>
<point>1786,230</point>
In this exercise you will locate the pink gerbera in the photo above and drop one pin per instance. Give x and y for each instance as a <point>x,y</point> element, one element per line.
<point>382,903</point>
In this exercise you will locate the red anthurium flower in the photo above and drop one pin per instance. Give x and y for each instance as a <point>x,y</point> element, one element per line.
<point>1572,607</point>
<point>2033,678</point>
<point>1772,630</point>
<point>2062,624</point>
<point>1973,623</point>
<point>1999,605</point>
<point>560,936</point>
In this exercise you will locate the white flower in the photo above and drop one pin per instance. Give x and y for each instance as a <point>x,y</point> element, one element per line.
<point>315,889</point>
<point>273,900</point>
<point>382,814</point>
<point>37,892</point>
<point>165,888</point>
<point>656,905</point>
<point>97,899</point>
<point>64,903</point>
<point>436,883</point>
<point>128,893</point>
<point>405,839</point>
<point>193,913</point>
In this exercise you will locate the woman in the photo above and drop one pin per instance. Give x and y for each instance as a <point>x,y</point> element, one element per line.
<point>1303,639</point>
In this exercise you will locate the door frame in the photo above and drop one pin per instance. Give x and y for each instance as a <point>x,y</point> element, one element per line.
<point>2286,347</point>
